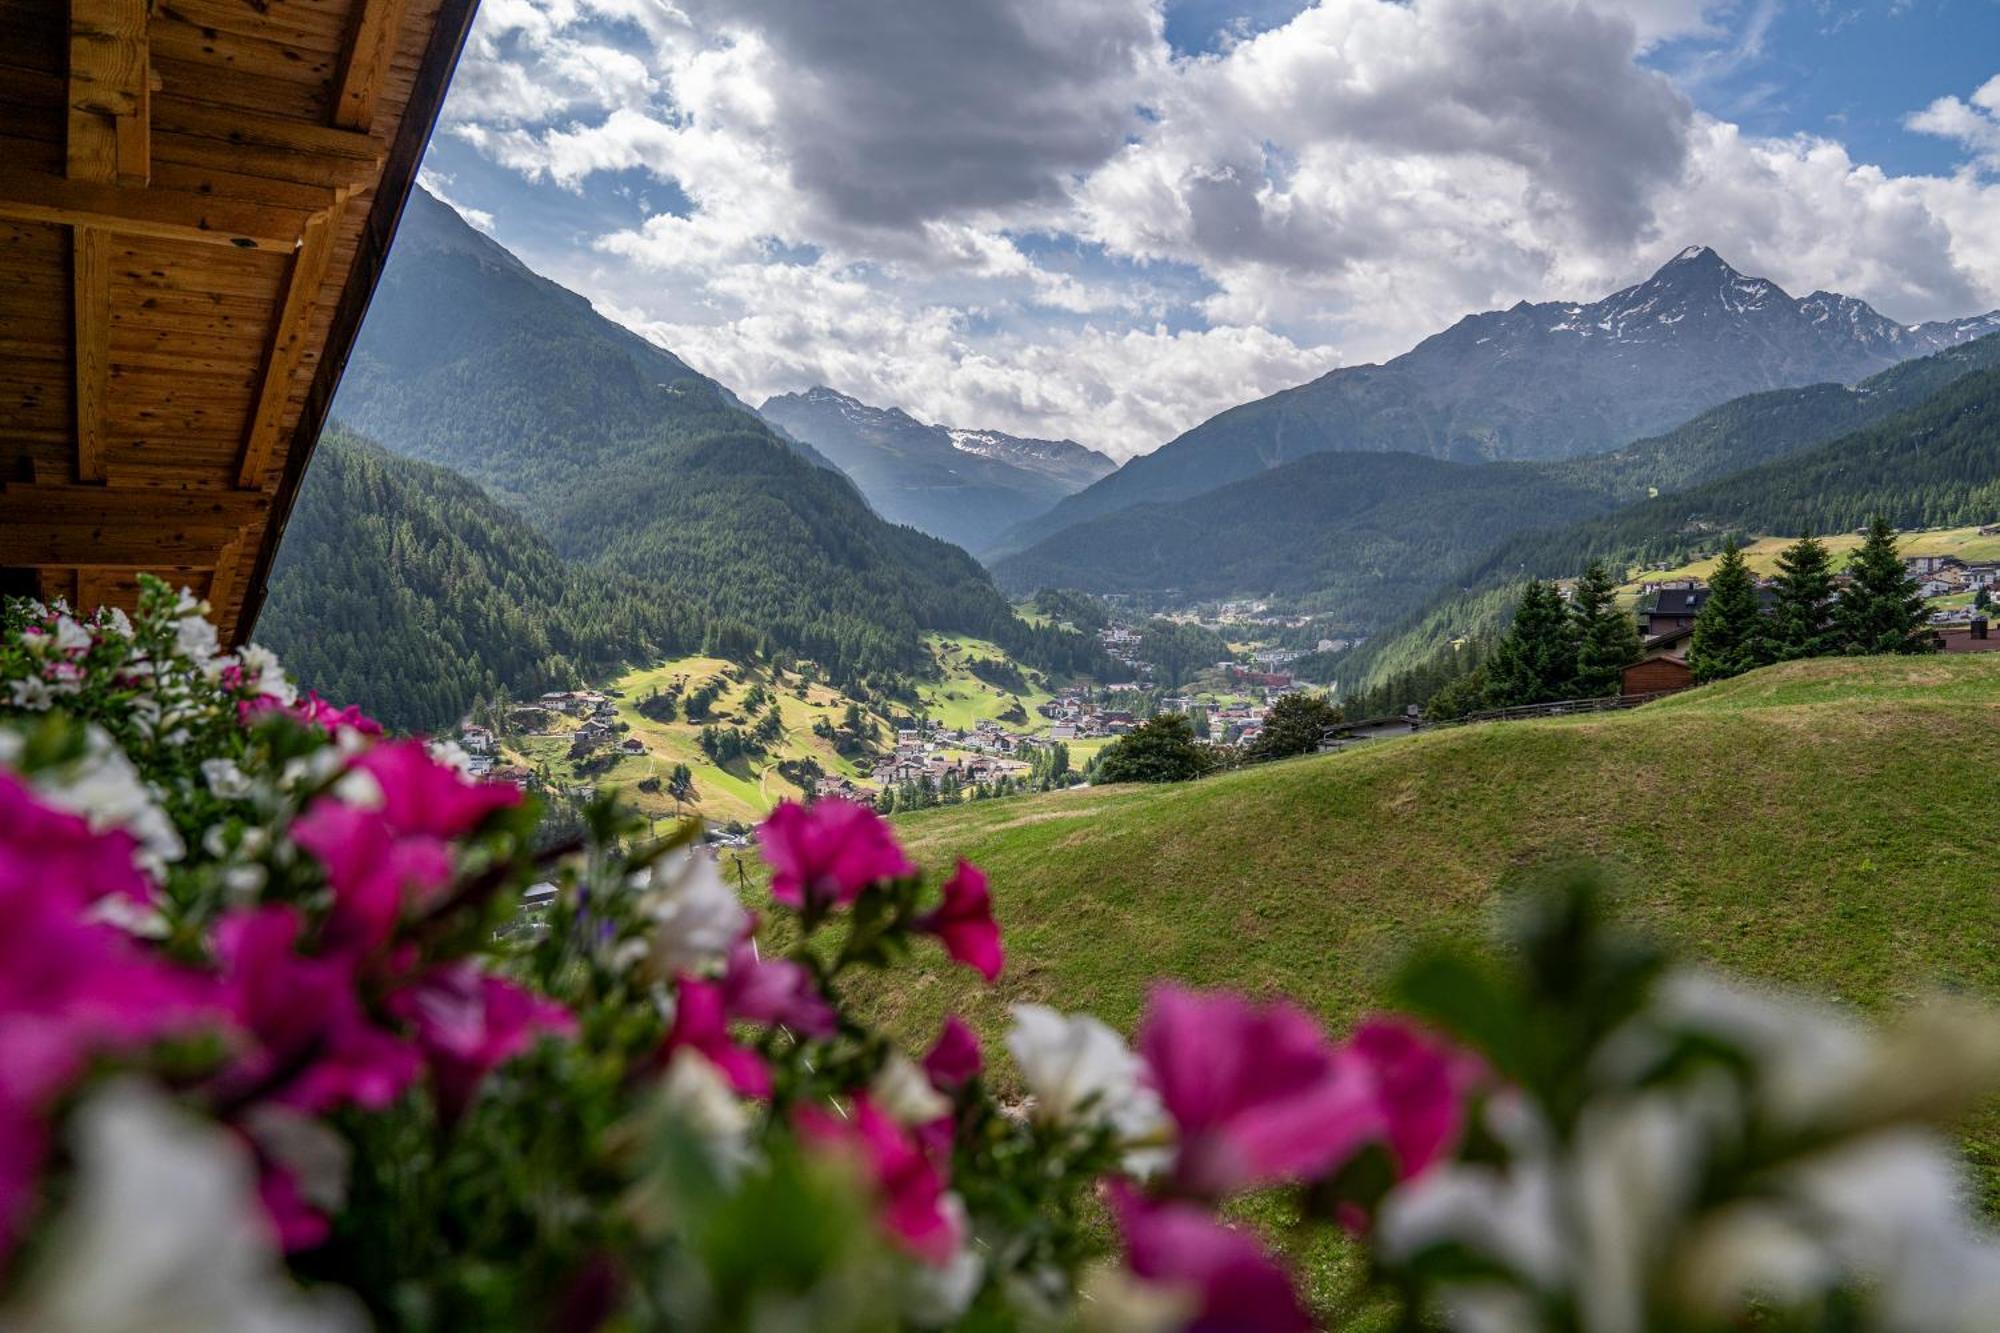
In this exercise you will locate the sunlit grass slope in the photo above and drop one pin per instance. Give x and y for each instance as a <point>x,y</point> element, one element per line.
<point>1825,824</point>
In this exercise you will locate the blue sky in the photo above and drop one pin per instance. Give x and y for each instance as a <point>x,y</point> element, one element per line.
<point>1109,219</point>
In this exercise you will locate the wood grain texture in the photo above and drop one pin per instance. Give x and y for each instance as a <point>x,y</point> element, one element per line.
<point>288,339</point>
<point>91,318</point>
<point>364,66</point>
<point>108,91</point>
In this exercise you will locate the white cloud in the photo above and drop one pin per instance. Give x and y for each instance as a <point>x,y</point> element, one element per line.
<point>992,212</point>
<point>1974,124</point>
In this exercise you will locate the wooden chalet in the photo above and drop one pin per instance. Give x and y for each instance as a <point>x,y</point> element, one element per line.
<point>196,199</point>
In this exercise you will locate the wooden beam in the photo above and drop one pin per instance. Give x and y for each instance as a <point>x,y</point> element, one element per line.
<point>222,583</point>
<point>178,115</point>
<point>364,65</point>
<point>103,527</point>
<point>67,505</point>
<point>290,333</point>
<point>34,196</point>
<point>109,88</point>
<point>90,271</point>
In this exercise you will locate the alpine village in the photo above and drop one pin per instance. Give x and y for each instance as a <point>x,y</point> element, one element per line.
<point>560,769</point>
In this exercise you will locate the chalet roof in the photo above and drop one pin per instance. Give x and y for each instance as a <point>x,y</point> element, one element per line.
<point>196,198</point>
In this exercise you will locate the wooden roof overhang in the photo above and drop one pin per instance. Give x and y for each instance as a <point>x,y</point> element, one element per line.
<point>196,199</point>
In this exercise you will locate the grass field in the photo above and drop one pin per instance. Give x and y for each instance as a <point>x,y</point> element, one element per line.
<point>960,699</point>
<point>1826,825</point>
<point>1762,555</point>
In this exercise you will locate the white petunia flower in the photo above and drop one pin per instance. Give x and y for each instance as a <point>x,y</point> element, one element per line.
<point>194,638</point>
<point>261,669</point>
<point>904,1092</point>
<point>1077,1068</point>
<point>32,693</point>
<point>694,1094</point>
<point>695,916</point>
<point>72,637</point>
<point>357,787</point>
<point>225,779</point>
<point>164,1234</point>
<point>937,1296</point>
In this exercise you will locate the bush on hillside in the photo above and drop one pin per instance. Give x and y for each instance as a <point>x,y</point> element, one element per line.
<point>285,1052</point>
<point>1161,749</point>
<point>1295,725</point>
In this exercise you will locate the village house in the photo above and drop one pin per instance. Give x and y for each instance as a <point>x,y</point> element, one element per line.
<point>475,739</point>
<point>631,745</point>
<point>1662,667</point>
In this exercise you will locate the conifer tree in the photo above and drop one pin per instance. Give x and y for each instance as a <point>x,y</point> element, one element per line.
<point>1607,638</point>
<point>1880,611</point>
<point>1728,630</point>
<point>1800,623</point>
<point>1536,661</point>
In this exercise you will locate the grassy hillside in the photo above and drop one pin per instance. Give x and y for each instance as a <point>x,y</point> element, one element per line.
<point>1761,555</point>
<point>744,790</point>
<point>1822,824</point>
<point>961,693</point>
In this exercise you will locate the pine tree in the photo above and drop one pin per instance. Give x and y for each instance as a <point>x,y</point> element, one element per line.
<point>1880,611</point>
<point>1800,622</point>
<point>1607,638</point>
<point>1536,661</point>
<point>1728,630</point>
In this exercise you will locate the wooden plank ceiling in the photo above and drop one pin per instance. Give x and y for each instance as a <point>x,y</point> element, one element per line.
<point>196,197</point>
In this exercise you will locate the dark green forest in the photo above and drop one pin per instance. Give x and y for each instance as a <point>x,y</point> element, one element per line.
<point>403,587</point>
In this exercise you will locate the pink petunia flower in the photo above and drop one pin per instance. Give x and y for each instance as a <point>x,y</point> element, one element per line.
<point>296,1224</point>
<point>422,797</point>
<point>964,922</point>
<point>912,1204</point>
<point>70,988</point>
<point>825,856</point>
<point>1234,1285</point>
<point>374,872</point>
<point>57,849</point>
<point>954,1059</point>
<point>701,1023</point>
<point>469,1023</point>
<point>313,1041</point>
<point>380,861</point>
<point>774,991</point>
<point>1421,1084</point>
<point>1257,1092</point>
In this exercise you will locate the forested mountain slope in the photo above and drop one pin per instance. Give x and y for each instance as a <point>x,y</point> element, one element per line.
<point>1554,380</point>
<point>623,456</point>
<point>1373,536</point>
<point>1933,465</point>
<point>403,587</point>
<point>1362,535</point>
<point>964,486</point>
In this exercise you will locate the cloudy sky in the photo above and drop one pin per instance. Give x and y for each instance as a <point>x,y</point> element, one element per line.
<point>1109,219</point>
